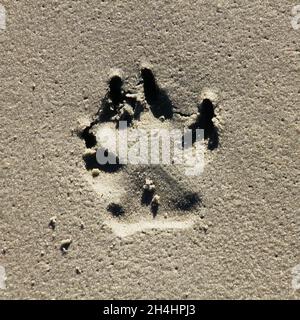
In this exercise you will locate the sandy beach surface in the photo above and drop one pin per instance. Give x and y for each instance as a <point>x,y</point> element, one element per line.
<point>71,229</point>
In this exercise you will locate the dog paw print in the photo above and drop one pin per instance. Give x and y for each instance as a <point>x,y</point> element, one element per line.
<point>135,191</point>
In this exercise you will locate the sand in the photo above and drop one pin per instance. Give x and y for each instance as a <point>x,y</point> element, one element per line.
<point>70,229</point>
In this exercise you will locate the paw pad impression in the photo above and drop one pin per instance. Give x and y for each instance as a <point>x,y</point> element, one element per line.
<point>139,192</point>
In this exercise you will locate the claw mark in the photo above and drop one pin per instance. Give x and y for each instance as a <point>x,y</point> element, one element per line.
<point>205,121</point>
<point>116,92</point>
<point>157,98</point>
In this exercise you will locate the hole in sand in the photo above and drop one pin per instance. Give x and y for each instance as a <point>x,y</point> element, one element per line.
<point>151,89</point>
<point>147,197</point>
<point>205,122</point>
<point>115,209</point>
<point>88,137</point>
<point>188,201</point>
<point>92,163</point>
<point>158,99</point>
<point>115,90</point>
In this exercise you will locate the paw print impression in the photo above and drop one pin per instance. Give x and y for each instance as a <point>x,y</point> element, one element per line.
<point>138,195</point>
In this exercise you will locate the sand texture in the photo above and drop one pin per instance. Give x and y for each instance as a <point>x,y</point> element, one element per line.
<point>73,229</point>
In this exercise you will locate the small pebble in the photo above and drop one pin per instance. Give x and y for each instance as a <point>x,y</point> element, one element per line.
<point>95,172</point>
<point>205,228</point>
<point>156,200</point>
<point>78,270</point>
<point>149,185</point>
<point>65,244</point>
<point>52,223</point>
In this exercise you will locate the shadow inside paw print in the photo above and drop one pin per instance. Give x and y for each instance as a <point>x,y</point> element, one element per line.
<point>157,98</point>
<point>134,188</point>
<point>205,121</point>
